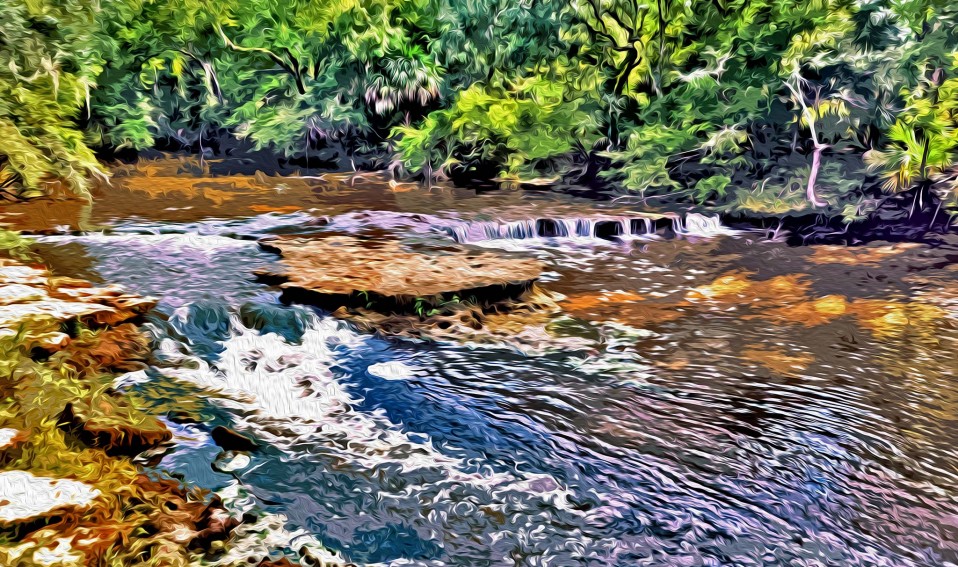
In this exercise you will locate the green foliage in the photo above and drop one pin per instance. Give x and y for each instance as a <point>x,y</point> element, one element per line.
<point>517,125</point>
<point>644,165</point>
<point>15,246</point>
<point>763,106</point>
<point>49,65</point>
<point>922,143</point>
<point>715,186</point>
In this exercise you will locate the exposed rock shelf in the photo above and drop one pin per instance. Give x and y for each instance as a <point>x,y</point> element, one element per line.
<point>35,305</point>
<point>70,494</point>
<point>389,276</point>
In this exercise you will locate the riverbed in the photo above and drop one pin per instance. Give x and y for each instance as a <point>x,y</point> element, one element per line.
<point>697,396</point>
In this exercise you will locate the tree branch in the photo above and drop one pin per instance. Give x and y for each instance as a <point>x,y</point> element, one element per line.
<point>294,71</point>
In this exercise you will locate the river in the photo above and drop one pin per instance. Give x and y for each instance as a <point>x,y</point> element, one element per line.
<point>699,396</point>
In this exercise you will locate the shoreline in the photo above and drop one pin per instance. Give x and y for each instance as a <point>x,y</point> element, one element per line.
<point>215,179</point>
<point>77,481</point>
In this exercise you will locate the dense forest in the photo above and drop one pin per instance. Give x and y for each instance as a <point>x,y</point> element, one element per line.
<point>763,107</point>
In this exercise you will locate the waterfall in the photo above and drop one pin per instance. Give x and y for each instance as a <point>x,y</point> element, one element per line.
<point>520,230</point>
<point>591,227</point>
<point>697,224</point>
<point>641,226</point>
<point>585,228</point>
<point>568,227</point>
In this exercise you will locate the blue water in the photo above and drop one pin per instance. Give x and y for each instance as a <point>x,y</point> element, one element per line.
<point>602,452</point>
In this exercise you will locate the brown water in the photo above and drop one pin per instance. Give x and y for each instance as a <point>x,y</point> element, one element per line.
<point>699,399</point>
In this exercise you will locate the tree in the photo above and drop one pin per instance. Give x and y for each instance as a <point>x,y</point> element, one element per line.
<point>50,62</point>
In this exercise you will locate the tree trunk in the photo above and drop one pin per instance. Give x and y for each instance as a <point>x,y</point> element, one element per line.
<point>924,156</point>
<point>810,193</point>
<point>658,73</point>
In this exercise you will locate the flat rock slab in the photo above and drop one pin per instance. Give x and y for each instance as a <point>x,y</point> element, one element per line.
<point>24,497</point>
<point>33,300</point>
<point>349,270</point>
<point>19,293</point>
<point>51,309</point>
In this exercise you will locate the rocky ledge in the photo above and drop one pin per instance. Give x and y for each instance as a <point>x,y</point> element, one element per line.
<point>35,306</point>
<point>406,284</point>
<point>70,490</point>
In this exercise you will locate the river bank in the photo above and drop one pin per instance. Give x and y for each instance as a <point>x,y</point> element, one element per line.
<point>185,188</point>
<point>77,449</point>
<point>71,491</point>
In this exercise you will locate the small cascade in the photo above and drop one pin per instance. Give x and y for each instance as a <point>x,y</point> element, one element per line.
<point>678,226</point>
<point>641,226</point>
<point>519,230</point>
<point>474,232</point>
<point>569,227</point>
<point>597,227</point>
<point>593,227</point>
<point>697,224</point>
<point>585,228</point>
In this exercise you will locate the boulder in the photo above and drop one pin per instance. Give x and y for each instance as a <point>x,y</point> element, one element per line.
<point>117,428</point>
<point>122,348</point>
<point>231,440</point>
<point>186,517</point>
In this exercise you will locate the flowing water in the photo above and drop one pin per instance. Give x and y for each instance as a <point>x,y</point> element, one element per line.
<point>698,397</point>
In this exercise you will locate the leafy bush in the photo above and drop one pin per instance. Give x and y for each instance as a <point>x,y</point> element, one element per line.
<point>517,125</point>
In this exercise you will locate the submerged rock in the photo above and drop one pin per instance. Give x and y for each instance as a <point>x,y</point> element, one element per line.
<point>387,276</point>
<point>231,461</point>
<point>522,324</point>
<point>25,497</point>
<point>231,440</point>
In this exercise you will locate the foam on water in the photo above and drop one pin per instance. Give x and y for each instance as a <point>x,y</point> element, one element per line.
<point>286,394</point>
<point>244,227</point>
